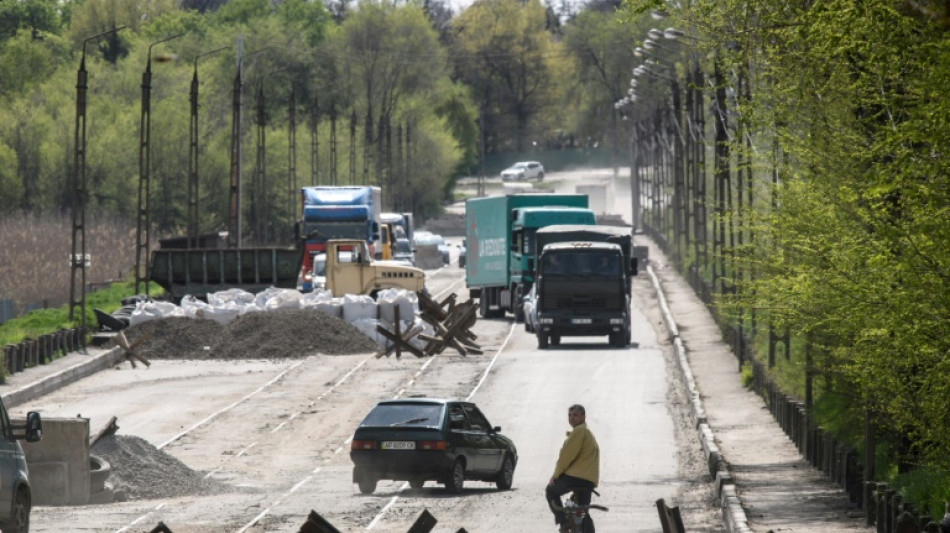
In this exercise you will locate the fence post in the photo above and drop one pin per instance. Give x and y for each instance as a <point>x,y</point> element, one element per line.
<point>9,353</point>
<point>880,518</point>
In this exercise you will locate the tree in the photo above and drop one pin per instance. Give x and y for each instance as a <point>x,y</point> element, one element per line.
<point>502,50</point>
<point>599,44</point>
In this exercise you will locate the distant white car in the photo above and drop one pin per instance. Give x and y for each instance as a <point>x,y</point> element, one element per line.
<point>522,171</point>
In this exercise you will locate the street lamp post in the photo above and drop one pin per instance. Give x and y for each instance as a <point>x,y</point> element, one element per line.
<point>142,226</point>
<point>77,258</point>
<point>193,155</point>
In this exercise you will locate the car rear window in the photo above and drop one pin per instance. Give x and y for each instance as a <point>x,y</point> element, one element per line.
<point>405,415</point>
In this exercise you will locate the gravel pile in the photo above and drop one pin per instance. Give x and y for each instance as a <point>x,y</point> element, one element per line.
<point>141,471</point>
<point>260,335</point>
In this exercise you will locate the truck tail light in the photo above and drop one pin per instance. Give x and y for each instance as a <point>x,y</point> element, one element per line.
<point>363,445</point>
<point>432,445</point>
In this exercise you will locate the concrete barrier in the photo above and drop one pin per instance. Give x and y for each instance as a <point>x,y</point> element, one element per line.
<point>59,462</point>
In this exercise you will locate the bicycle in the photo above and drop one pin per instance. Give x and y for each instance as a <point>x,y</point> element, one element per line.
<point>577,518</point>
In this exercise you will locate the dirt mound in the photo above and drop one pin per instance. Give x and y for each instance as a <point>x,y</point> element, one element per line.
<point>141,471</point>
<point>259,335</point>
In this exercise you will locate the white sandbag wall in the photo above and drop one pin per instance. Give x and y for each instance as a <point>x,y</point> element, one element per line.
<point>362,311</point>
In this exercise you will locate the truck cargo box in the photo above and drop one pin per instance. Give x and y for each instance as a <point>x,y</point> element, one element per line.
<point>488,225</point>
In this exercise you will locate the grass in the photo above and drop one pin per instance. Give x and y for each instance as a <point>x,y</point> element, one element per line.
<point>42,321</point>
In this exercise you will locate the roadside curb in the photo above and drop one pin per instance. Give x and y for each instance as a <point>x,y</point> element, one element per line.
<point>734,516</point>
<point>71,374</point>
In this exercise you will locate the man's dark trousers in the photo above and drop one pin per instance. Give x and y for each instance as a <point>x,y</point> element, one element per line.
<point>564,484</point>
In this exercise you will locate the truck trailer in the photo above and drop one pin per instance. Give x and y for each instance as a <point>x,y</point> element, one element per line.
<point>500,242</point>
<point>337,212</point>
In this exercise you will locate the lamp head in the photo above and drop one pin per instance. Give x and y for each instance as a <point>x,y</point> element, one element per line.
<point>673,34</point>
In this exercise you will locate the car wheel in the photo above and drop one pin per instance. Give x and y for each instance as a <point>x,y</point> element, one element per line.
<point>20,519</point>
<point>455,483</point>
<point>367,484</point>
<point>417,483</point>
<point>506,475</point>
<point>542,341</point>
<point>540,176</point>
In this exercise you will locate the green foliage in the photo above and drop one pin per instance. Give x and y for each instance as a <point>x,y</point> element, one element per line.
<point>598,43</point>
<point>42,321</point>
<point>746,375</point>
<point>242,12</point>
<point>26,16</point>
<point>929,490</point>
<point>503,51</point>
<point>843,104</point>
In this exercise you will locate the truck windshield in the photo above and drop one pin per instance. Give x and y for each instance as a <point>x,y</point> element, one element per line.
<point>581,263</point>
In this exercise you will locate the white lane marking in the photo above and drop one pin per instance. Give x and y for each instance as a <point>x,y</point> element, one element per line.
<point>491,363</point>
<point>239,454</point>
<point>342,448</point>
<point>143,517</point>
<point>264,513</point>
<point>228,408</point>
<point>311,404</point>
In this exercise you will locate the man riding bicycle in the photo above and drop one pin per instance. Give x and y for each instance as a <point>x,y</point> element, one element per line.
<point>577,468</point>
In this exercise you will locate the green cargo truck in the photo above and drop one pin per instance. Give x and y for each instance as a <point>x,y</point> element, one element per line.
<point>500,239</point>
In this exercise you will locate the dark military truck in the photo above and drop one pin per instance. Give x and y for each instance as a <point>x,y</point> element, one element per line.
<point>619,235</point>
<point>583,289</point>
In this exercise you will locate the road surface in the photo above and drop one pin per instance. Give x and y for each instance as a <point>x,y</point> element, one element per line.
<point>275,433</point>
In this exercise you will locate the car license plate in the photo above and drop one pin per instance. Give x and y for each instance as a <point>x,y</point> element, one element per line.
<point>399,445</point>
<point>580,321</point>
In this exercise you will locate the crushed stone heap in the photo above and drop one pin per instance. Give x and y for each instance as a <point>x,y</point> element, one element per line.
<point>141,471</point>
<point>287,333</point>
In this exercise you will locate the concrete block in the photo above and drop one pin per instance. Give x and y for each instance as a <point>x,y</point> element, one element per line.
<point>47,481</point>
<point>65,442</point>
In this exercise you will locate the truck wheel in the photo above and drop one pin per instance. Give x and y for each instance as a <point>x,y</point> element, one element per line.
<point>542,340</point>
<point>518,304</point>
<point>483,305</point>
<point>555,340</point>
<point>627,337</point>
<point>20,517</point>
<point>616,339</point>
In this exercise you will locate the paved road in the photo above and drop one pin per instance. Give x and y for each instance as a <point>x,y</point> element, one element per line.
<point>288,451</point>
<point>279,430</point>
